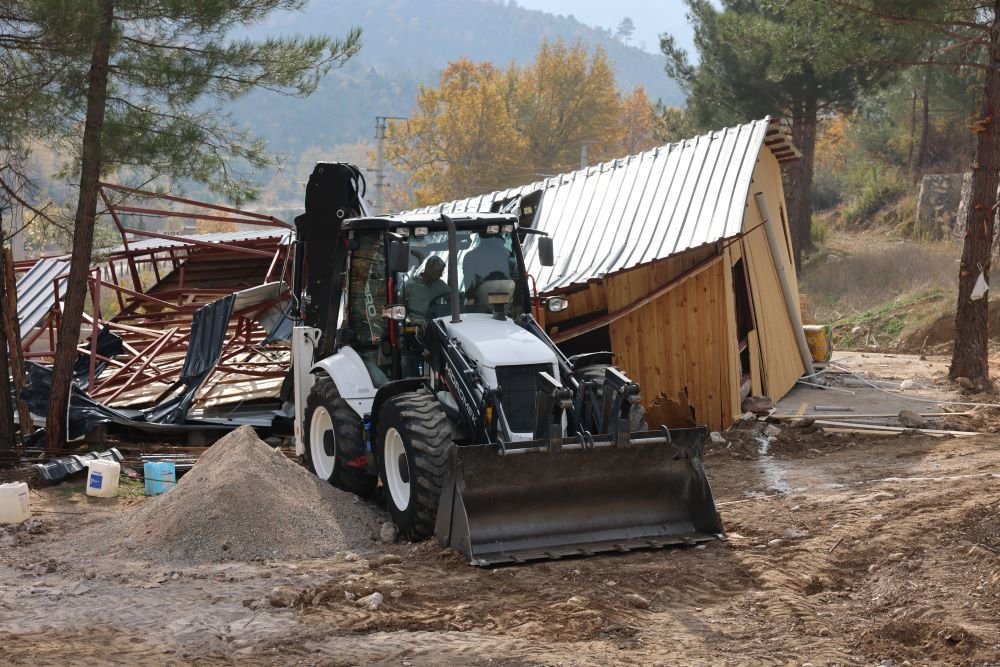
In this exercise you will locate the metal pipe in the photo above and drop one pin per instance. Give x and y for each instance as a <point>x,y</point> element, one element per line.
<point>779,266</point>
<point>452,267</point>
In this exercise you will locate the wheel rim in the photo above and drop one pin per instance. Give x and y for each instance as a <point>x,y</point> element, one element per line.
<point>320,429</point>
<point>397,469</point>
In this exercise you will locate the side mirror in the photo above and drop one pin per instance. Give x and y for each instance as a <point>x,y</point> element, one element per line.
<point>546,251</point>
<point>399,256</point>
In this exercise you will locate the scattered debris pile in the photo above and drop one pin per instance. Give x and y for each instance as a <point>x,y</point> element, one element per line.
<point>244,501</point>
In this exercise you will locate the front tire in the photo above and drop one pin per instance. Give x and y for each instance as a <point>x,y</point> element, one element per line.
<point>413,438</point>
<point>333,440</point>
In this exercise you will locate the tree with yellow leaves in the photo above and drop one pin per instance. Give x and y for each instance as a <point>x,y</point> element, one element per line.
<point>483,129</point>
<point>461,138</point>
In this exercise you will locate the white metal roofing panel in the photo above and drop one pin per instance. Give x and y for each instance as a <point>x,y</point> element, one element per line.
<point>634,210</point>
<point>35,292</point>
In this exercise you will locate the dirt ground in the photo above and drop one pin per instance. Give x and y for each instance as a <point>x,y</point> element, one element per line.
<point>841,549</point>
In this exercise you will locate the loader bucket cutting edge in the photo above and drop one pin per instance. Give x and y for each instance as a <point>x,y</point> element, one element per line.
<point>541,505</point>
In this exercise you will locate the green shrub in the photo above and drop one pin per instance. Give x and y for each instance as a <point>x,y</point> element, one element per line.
<point>874,189</point>
<point>818,228</point>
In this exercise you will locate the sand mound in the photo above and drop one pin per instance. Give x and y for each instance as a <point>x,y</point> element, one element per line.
<point>245,501</point>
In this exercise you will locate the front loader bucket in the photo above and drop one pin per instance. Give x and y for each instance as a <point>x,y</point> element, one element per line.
<point>536,504</point>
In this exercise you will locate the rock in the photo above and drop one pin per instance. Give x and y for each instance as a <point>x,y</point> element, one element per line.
<point>857,331</point>
<point>396,594</point>
<point>772,431</point>
<point>805,422</point>
<point>748,416</point>
<point>908,384</point>
<point>370,602</point>
<point>897,556</point>
<point>283,596</point>
<point>965,383</point>
<point>388,532</point>
<point>578,600</point>
<point>349,596</point>
<point>79,589</point>
<point>637,601</point>
<point>716,438</point>
<point>385,559</point>
<point>774,542</point>
<point>759,405</point>
<point>795,533</point>
<point>90,574</point>
<point>911,419</point>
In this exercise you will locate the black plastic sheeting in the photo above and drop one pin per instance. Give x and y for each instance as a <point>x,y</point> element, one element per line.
<point>109,346</point>
<point>208,334</point>
<point>60,468</point>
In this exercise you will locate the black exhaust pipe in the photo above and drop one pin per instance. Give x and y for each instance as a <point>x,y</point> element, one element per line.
<point>452,267</point>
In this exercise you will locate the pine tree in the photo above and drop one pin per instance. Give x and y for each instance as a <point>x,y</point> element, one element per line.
<point>792,58</point>
<point>145,81</point>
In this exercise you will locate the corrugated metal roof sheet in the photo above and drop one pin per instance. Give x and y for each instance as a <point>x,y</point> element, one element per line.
<point>35,294</point>
<point>151,244</point>
<point>620,214</point>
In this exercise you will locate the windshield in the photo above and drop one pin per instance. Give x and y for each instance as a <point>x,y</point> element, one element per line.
<point>488,271</point>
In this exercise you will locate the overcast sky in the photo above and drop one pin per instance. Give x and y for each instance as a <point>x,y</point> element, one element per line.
<point>651,17</point>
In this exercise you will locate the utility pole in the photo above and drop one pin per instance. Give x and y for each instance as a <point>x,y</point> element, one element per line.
<point>380,125</point>
<point>585,151</point>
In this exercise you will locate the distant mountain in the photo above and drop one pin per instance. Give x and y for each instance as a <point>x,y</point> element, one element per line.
<point>406,44</point>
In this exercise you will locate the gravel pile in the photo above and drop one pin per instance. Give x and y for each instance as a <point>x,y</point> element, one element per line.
<point>245,501</point>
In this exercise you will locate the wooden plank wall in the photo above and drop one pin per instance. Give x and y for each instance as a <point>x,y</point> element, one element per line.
<point>776,346</point>
<point>582,301</point>
<point>678,343</point>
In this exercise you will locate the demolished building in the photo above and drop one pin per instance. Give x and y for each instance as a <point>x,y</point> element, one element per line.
<point>193,336</point>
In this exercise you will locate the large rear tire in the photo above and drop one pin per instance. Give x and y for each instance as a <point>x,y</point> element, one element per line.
<point>333,440</point>
<point>413,438</point>
<point>595,373</point>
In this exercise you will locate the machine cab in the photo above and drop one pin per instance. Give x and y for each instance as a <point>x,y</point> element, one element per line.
<point>387,301</point>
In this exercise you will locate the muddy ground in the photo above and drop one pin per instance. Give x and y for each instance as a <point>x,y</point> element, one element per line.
<point>841,550</point>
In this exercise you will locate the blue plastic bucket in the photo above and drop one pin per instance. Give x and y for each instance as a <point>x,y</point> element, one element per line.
<point>160,477</point>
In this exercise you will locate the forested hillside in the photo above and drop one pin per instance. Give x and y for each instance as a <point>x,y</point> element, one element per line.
<point>407,43</point>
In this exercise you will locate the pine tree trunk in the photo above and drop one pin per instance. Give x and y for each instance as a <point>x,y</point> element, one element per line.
<point>810,120</point>
<point>83,231</point>
<point>970,356</point>
<point>7,439</point>
<point>925,122</point>
<point>794,192</point>
<point>805,119</point>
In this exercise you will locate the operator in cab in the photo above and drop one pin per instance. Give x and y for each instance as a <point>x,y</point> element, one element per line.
<point>421,291</point>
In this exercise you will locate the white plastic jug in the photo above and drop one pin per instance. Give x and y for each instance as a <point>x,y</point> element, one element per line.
<point>102,479</point>
<point>14,504</point>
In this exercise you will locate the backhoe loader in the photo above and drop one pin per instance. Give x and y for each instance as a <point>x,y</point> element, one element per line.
<point>450,395</point>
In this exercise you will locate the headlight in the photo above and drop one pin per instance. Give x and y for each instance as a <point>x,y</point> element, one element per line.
<point>555,304</point>
<point>397,313</point>
<point>420,231</point>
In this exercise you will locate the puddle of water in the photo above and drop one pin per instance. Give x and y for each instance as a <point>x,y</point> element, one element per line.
<point>773,471</point>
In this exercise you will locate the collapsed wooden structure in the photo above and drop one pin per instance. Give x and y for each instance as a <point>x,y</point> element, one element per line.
<point>152,286</point>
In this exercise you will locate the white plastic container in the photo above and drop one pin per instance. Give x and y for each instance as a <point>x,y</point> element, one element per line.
<point>14,504</point>
<point>102,479</point>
